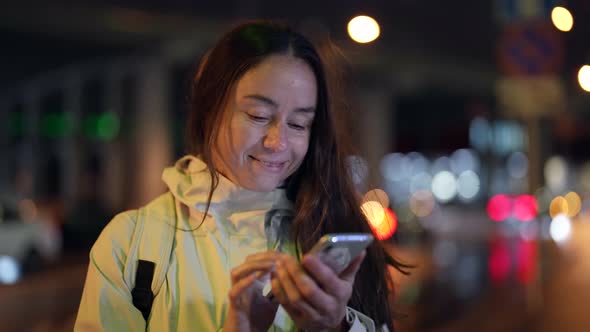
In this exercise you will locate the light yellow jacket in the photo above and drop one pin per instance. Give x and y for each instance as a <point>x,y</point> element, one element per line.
<point>193,296</point>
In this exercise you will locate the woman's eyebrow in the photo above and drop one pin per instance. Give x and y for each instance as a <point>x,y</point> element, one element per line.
<point>274,104</point>
<point>263,99</point>
<point>306,110</point>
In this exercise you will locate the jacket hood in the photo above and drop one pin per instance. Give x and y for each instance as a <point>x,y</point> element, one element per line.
<point>189,181</point>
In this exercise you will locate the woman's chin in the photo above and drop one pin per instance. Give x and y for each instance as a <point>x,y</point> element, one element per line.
<point>264,185</point>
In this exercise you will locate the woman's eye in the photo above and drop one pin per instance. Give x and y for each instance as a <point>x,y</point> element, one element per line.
<point>297,126</point>
<point>257,118</point>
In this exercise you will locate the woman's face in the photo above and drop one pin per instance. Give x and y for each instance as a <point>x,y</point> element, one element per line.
<point>266,124</point>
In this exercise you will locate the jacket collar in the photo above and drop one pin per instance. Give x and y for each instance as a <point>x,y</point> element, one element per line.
<point>189,181</point>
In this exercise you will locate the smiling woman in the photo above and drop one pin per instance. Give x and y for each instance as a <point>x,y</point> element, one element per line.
<point>266,178</point>
<point>266,123</point>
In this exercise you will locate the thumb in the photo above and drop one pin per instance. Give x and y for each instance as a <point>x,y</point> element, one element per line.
<point>350,272</point>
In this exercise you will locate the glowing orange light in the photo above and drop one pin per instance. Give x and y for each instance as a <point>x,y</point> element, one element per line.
<point>574,204</point>
<point>558,205</point>
<point>386,228</point>
<point>383,221</point>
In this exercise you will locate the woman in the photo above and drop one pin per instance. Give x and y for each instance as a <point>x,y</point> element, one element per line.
<point>265,179</point>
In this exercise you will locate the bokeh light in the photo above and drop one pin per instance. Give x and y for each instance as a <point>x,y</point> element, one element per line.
<point>388,227</point>
<point>422,203</point>
<point>584,77</point>
<point>558,206</point>
<point>464,160</point>
<point>444,186</point>
<point>417,163</point>
<point>499,207</point>
<point>383,221</point>
<point>525,208</point>
<point>374,212</point>
<point>499,262</point>
<point>395,167</point>
<point>108,126</point>
<point>562,19</point>
<point>561,228</point>
<point>556,173</point>
<point>9,270</point>
<point>441,164</point>
<point>57,125</point>
<point>377,195</point>
<point>104,126</point>
<point>363,29</point>
<point>468,185</point>
<point>574,204</point>
<point>507,136</point>
<point>480,133</point>
<point>517,165</point>
<point>527,254</point>
<point>420,181</point>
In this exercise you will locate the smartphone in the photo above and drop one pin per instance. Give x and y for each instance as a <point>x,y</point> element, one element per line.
<point>339,250</point>
<point>336,251</point>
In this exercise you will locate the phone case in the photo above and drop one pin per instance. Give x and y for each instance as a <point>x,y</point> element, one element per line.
<point>338,250</point>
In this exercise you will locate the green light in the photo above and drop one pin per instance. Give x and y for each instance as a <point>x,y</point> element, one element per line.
<point>90,124</point>
<point>108,126</point>
<point>56,125</point>
<point>104,126</point>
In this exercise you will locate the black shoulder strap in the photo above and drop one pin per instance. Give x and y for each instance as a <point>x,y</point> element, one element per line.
<point>158,218</point>
<point>142,292</point>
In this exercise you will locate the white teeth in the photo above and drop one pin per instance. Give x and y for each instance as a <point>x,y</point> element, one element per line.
<point>271,164</point>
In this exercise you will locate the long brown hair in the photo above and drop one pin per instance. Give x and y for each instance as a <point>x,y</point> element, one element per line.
<point>321,189</point>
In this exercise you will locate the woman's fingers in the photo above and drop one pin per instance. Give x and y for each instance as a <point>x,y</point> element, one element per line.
<point>309,305</point>
<point>240,287</point>
<point>305,294</point>
<point>265,256</point>
<point>263,262</point>
<point>246,269</point>
<point>323,275</point>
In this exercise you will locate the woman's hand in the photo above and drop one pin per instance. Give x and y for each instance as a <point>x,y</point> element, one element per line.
<point>316,300</point>
<point>248,309</point>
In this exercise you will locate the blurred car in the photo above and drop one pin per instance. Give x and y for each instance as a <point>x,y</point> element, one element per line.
<point>27,242</point>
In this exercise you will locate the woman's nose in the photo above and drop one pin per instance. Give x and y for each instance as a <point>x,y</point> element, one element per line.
<point>276,138</point>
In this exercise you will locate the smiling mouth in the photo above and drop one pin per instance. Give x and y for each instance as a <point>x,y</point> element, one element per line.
<point>270,164</point>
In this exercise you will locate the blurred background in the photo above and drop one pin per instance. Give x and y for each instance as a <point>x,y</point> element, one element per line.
<point>473,117</point>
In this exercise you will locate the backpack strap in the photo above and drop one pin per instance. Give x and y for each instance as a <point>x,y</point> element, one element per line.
<point>142,294</point>
<point>155,229</point>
